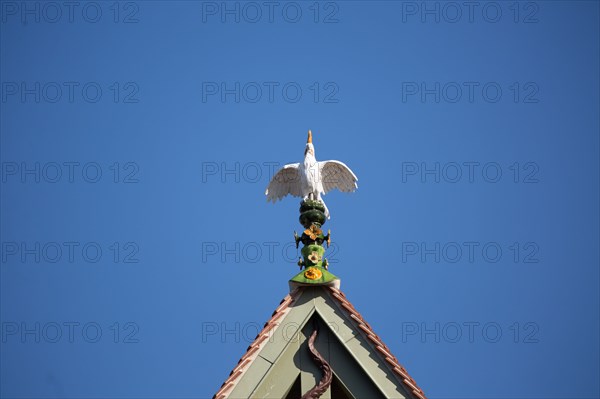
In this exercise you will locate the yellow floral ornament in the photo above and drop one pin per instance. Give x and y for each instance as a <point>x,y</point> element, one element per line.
<point>312,273</point>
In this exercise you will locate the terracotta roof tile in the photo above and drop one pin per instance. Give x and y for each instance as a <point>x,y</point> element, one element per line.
<point>419,395</point>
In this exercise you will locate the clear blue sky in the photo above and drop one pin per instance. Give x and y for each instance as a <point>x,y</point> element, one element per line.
<point>139,254</point>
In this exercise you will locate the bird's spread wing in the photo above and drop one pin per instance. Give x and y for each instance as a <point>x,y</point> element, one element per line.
<point>335,174</point>
<point>286,181</point>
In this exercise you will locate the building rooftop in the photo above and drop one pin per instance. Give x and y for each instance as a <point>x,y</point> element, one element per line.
<point>278,363</point>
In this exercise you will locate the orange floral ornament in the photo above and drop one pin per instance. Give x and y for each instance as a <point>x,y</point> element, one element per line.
<point>313,232</point>
<point>312,273</point>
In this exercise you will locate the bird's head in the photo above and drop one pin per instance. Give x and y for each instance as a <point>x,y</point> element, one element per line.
<point>310,149</point>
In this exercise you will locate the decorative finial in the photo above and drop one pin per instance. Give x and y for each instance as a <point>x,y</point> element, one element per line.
<point>309,180</point>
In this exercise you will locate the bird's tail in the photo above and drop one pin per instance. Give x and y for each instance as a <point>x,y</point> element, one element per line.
<point>326,209</point>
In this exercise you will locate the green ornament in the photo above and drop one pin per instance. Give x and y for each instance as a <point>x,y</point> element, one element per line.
<point>312,212</point>
<point>313,255</point>
<point>314,275</point>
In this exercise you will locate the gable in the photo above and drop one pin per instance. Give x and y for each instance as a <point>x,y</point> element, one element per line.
<point>278,363</point>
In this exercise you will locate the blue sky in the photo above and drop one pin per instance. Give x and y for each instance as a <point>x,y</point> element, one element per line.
<point>139,254</point>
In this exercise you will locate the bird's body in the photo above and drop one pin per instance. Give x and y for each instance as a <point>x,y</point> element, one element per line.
<point>310,178</point>
<point>309,173</point>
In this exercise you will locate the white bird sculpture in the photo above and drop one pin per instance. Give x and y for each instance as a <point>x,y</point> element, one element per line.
<point>310,179</point>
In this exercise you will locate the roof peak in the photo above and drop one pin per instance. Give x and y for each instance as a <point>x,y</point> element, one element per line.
<point>344,338</point>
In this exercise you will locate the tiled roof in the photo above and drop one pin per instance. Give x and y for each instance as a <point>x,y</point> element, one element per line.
<point>283,308</point>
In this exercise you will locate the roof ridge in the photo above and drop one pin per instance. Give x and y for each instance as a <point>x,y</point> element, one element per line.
<point>255,346</point>
<point>378,344</point>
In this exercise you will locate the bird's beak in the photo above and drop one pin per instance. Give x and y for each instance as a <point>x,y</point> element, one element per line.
<point>309,140</point>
